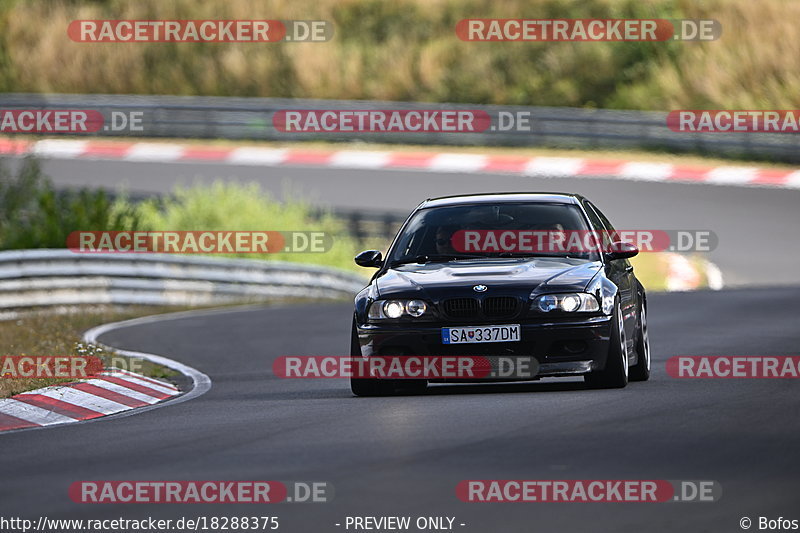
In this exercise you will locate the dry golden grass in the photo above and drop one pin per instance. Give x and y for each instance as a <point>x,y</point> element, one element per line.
<point>60,335</point>
<point>752,66</point>
<point>408,50</point>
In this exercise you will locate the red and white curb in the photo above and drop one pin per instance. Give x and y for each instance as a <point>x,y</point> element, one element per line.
<point>114,392</point>
<point>550,167</point>
<point>110,392</point>
<point>682,275</point>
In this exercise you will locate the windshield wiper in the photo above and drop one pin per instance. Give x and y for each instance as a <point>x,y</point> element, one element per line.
<point>435,258</point>
<point>521,255</point>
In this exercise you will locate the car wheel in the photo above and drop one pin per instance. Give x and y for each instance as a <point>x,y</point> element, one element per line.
<point>641,370</point>
<point>615,374</point>
<point>412,386</point>
<point>366,386</point>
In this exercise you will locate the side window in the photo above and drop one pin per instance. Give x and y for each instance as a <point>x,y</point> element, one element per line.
<point>602,217</point>
<point>606,229</point>
<point>612,233</point>
<point>597,224</point>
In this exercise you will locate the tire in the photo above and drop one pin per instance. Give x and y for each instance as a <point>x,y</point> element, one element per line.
<point>371,387</point>
<point>641,370</point>
<point>615,374</point>
<point>412,386</point>
<point>366,386</point>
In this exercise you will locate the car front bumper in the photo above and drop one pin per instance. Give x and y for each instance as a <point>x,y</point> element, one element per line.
<point>560,348</point>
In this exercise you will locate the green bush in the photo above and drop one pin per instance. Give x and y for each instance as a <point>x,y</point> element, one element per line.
<point>34,215</point>
<point>235,207</point>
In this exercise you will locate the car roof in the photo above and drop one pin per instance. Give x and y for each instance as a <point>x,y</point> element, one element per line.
<point>502,197</point>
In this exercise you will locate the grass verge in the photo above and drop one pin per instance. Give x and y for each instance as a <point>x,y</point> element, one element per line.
<point>47,334</point>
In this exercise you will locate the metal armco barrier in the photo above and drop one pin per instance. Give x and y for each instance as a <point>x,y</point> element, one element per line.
<point>35,278</point>
<point>364,224</point>
<point>561,127</point>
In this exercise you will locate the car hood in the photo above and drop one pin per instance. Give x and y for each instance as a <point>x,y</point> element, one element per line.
<point>433,279</point>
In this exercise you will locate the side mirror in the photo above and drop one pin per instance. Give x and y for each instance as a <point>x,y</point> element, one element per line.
<point>620,250</point>
<point>369,258</point>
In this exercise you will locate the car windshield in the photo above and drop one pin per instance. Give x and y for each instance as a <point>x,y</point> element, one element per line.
<point>499,230</point>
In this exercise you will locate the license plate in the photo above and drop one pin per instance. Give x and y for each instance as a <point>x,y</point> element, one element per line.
<point>472,334</point>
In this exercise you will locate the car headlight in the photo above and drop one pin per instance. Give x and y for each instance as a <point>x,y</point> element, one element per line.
<point>574,302</point>
<point>605,298</point>
<point>416,308</point>
<point>393,309</point>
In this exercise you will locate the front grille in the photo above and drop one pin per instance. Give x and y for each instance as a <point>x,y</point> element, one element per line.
<point>472,308</point>
<point>500,307</point>
<point>461,307</point>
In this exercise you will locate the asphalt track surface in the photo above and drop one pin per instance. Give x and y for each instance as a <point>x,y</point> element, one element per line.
<point>403,456</point>
<point>756,227</point>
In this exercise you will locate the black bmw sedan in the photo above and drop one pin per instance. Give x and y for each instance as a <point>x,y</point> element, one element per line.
<point>508,277</point>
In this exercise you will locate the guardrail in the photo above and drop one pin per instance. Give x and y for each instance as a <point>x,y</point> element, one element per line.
<point>560,127</point>
<point>363,224</point>
<point>36,278</point>
<point>369,225</point>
